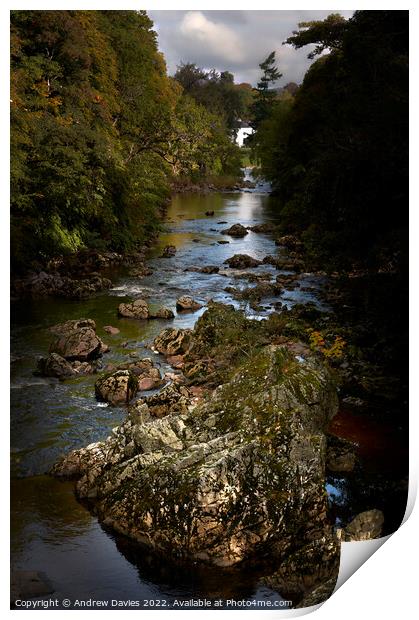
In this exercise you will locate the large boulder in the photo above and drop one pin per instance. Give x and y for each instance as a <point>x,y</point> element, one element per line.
<point>56,366</point>
<point>172,341</point>
<point>117,388</point>
<point>187,304</point>
<point>237,230</point>
<point>242,261</point>
<point>237,476</point>
<point>77,340</point>
<point>137,309</point>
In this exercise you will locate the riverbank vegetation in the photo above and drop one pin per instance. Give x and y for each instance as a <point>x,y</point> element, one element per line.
<point>99,131</point>
<point>336,152</point>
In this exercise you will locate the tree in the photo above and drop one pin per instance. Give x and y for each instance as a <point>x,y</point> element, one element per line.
<point>339,160</point>
<point>325,35</point>
<point>265,96</point>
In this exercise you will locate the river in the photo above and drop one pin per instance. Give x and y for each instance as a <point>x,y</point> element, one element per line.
<point>51,531</point>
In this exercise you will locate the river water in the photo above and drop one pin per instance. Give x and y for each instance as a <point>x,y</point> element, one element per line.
<point>51,531</point>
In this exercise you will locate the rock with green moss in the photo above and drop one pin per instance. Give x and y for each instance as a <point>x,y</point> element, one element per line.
<point>239,475</point>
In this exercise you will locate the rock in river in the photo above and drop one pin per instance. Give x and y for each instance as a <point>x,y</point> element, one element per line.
<point>137,309</point>
<point>162,313</point>
<point>237,230</point>
<point>239,475</point>
<point>117,388</point>
<point>169,251</point>
<point>77,340</point>
<point>109,329</point>
<point>187,304</point>
<point>56,366</point>
<point>242,261</point>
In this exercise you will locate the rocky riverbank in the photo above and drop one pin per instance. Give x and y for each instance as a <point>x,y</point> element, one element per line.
<point>189,429</point>
<point>237,476</point>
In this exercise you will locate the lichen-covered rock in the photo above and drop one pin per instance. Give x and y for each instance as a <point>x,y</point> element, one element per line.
<point>242,261</point>
<point>241,473</point>
<point>187,304</point>
<point>174,399</point>
<point>117,388</point>
<point>162,313</point>
<point>55,366</point>
<point>77,340</point>
<point>149,380</point>
<point>365,526</point>
<point>137,309</point>
<point>237,230</point>
<point>172,341</point>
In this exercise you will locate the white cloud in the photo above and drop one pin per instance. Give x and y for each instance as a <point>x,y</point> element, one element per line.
<point>235,41</point>
<point>219,39</point>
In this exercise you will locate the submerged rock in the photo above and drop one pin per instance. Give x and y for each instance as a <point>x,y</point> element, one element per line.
<point>117,388</point>
<point>267,227</point>
<point>237,230</point>
<point>169,251</point>
<point>26,584</point>
<point>109,329</point>
<point>137,309</point>
<point>238,475</point>
<point>77,340</point>
<point>242,261</point>
<point>186,303</point>
<point>314,563</point>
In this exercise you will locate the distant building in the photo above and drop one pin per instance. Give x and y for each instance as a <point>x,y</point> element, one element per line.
<point>243,131</point>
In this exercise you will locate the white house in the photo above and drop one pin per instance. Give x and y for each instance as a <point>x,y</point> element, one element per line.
<point>242,133</point>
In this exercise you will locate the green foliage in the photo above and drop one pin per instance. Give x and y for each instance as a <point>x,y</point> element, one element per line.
<point>98,130</point>
<point>336,153</point>
<point>216,92</point>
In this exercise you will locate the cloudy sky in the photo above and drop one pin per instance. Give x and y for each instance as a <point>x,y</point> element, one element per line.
<point>236,41</point>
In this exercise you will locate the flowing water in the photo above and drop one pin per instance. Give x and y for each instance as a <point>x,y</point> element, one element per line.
<point>51,531</point>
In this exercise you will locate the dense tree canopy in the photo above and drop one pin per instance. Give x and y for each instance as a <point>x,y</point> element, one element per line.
<point>337,153</point>
<point>98,130</point>
<point>217,92</point>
